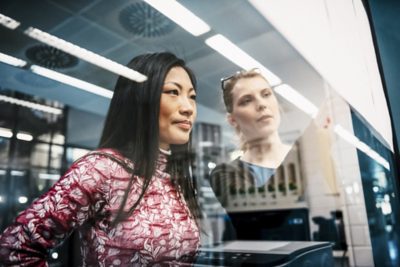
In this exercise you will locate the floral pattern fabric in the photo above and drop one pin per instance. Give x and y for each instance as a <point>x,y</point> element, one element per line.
<point>87,198</point>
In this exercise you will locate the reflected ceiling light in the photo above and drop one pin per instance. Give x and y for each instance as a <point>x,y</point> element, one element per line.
<point>17,173</point>
<point>353,140</point>
<point>4,132</point>
<point>49,176</point>
<point>62,78</point>
<point>85,54</point>
<point>24,136</point>
<point>1,199</point>
<point>2,172</point>
<point>22,199</point>
<point>13,61</point>
<point>9,22</point>
<point>206,143</point>
<point>31,105</point>
<point>232,52</point>
<point>54,255</point>
<point>294,97</point>
<point>180,15</point>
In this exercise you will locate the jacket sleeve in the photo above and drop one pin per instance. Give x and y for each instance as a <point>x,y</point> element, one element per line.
<point>71,201</point>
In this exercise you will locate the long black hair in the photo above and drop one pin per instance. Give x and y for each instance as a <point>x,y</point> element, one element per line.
<point>132,128</point>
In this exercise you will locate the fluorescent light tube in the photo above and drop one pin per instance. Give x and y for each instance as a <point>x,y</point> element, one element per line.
<point>181,16</point>
<point>4,132</point>
<point>296,99</point>
<point>62,78</point>
<point>232,52</point>
<point>31,105</point>
<point>13,61</point>
<point>84,54</point>
<point>24,137</point>
<point>17,173</point>
<point>353,140</point>
<point>9,22</point>
<point>48,176</point>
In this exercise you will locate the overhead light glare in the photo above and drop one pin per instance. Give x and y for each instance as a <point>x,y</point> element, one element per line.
<point>49,176</point>
<point>13,61</point>
<point>22,199</point>
<point>297,99</point>
<point>4,132</point>
<point>9,22</point>
<point>225,47</point>
<point>31,105</point>
<point>62,78</point>
<point>24,137</point>
<point>17,173</point>
<point>181,16</point>
<point>85,54</point>
<point>353,140</point>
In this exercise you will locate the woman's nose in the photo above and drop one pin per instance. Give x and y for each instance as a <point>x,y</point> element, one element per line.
<point>186,106</point>
<point>261,105</point>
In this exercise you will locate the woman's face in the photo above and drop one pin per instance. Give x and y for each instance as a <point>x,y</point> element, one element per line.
<point>177,108</point>
<point>255,111</point>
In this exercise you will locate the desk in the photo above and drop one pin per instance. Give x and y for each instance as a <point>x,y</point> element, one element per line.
<point>267,253</point>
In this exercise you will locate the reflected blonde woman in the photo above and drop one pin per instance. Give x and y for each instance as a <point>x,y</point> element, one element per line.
<point>253,110</point>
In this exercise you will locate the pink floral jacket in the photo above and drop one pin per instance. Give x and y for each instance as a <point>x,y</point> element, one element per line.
<point>87,197</point>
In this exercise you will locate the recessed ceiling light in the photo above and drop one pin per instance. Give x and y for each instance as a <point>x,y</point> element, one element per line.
<point>13,61</point>
<point>80,84</point>
<point>31,105</point>
<point>9,22</point>
<point>180,15</point>
<point>225,47</point>
<point>353,140</point>
<point>85,54</point>
<point>297,99</point>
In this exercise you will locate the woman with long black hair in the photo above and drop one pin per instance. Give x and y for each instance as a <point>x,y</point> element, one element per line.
<point>132,200</point>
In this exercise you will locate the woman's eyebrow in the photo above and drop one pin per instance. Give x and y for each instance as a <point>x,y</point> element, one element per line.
<point>267,89</point>
<point>174,83</point>
<point>245,95</point>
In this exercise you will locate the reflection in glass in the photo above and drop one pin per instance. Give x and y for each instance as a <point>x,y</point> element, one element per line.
<point>56,156</point>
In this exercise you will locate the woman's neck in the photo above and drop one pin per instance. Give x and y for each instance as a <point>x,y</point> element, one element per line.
<point>267,152</point>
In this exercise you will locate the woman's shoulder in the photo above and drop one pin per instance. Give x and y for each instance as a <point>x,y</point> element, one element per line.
<point>229,167</point>
<point>104,156</point>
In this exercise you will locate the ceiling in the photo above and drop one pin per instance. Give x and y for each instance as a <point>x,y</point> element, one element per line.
<point>122,29</point>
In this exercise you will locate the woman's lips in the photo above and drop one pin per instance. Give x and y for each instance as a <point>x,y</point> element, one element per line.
<point>264,118</point>
<point>184,124</point>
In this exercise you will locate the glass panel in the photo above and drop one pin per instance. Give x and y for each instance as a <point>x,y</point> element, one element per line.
<point>4,150</point>
<point>44,179</point>
<point>380,190</point>
<point>22,154</point>
<point>74,153</point>
<point>40,155</point>
<point>3,197</point>
<point>56,156</point>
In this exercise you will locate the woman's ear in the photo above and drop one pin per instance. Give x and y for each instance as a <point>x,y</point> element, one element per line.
<point>231,120</point>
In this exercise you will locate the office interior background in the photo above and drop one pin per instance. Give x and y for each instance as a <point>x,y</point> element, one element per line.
<point>332,64</point>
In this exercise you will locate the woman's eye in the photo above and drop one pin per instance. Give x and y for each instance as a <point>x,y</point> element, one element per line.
<point>172,92</point>
<point>266,94</point>
<point>244,101</point>
<point>193,97</point>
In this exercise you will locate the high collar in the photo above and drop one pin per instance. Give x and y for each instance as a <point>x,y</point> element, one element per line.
<point>162,159</point>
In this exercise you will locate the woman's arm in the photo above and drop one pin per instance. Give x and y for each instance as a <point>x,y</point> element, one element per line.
<point>71,201</point>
